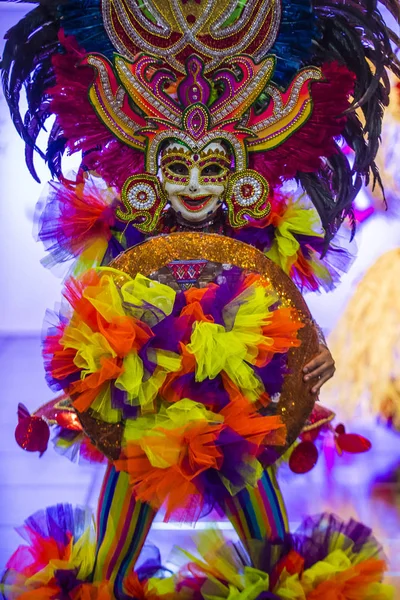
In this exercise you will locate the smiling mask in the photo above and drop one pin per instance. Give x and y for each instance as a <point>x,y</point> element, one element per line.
<point>195,182</point>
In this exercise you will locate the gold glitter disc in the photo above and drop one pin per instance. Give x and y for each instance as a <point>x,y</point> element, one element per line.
<point>151,257</point>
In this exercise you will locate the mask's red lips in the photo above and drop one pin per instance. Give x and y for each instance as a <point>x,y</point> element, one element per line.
<point>195,204</point>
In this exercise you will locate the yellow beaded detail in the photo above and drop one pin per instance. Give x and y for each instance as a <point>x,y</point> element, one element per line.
<point>143,199</point>
<point>247,195</point>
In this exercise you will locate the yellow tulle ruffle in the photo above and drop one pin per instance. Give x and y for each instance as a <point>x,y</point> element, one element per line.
<point>108,298</point>
<point>94,348</point>
<point>143,393</point>
<point>343,575</point>
<point>226,577</point>
<point>217,349</point>
<point>297,220</point>
<point>151,431</point>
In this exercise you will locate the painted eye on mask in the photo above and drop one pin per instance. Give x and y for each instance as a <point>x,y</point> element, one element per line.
<point>178,168</point>
<point>212,169</point>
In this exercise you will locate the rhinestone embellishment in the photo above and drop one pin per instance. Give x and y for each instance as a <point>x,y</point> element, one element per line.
<point>148,26</point>
<point>143,201</point>
<point>247,198</point>
<point>247,191</point>
<point>141,196</point>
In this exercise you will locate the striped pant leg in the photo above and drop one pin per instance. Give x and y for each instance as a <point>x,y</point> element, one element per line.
<point>123,524</point>
<point>259,512</point>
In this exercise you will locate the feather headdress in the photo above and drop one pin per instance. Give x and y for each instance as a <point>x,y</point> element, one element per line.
<point>348,42</point>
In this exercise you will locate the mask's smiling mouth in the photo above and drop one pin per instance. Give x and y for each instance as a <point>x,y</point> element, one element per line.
<point>194,203</point>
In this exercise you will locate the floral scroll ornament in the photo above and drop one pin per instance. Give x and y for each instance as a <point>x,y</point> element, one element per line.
<point>247,195</point>
<point>143,200</point>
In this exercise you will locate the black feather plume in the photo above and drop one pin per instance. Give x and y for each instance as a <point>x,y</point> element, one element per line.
<point>353,33</point>
<point>26,64</point>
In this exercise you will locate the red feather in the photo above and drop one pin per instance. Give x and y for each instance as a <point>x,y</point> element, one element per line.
<point>77,119</point>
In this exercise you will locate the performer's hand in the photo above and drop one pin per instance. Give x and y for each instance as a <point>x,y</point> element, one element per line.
<point>321,368</point>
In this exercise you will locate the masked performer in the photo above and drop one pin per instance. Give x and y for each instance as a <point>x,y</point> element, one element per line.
<point>182,358</point>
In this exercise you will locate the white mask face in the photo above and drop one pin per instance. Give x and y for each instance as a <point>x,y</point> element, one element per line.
<point>195,182</point>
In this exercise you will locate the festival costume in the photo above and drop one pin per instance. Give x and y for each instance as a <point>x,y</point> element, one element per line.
<point>181,358</point>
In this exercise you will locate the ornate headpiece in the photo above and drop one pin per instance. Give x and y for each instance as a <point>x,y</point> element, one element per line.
<point>173,30</point>
<point>278,81</point>
<point>183,108</point>
<point>190,113</point>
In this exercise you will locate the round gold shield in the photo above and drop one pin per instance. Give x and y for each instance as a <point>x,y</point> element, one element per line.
<point>154,258</point>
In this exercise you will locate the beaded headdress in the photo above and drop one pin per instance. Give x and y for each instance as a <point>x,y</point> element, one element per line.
<point>190,115</point>
<point>280,82</point>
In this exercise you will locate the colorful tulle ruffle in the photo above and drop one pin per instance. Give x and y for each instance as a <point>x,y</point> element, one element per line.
<point>58,561</point>
<point>193,368</point>
<point>76,446</point>
<point>325,559</point>
<point>78,223</point>
<point>293,238</point>
<point>77,220</point>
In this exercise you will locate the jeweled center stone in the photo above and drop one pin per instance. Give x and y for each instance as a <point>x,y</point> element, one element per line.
<point>196,122</point>
<point>247,190</point>
<point>141,196</point>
